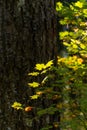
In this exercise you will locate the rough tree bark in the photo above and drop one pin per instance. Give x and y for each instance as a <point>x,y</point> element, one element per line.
<point>27,36</point>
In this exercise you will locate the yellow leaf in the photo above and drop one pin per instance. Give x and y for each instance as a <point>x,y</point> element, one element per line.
<point>66,44</point>
<point>63,34</point>
<point>85,11</point>
<point>80,60</point>
<point>74,57</point>
<point>74,46</point>
<point>40,67</point>
<point>71,7</point>
<point>59,6</point>
<point>34,96</point>
<point>79,4</point>
<point>17,105</point>
<point>49,64</point>
<point>82,24</point>
<point>34,74</point>
<point>34,84</point>
<point>82,46</point>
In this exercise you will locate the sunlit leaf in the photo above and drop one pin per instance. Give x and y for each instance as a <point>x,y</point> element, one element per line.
<point>74,46</point>
<point>85,11</point>
<point>29,108</point>
<point>82,24</point>
<point>82,46</point>
<point>34,73</point>
<point>71,7</point>
<point>80,60</point>
<point>44,71</point>
<point>59,6</point>
<point>39,92</point>
<point>17,105</point>
<point>40,67</point>
<point>34,96</point>
<point>66,44</point>
<point>34,84</point>
<point>44,80</point>
<point>79,4</point>
<point>63,34</point>
<point>49,64</point>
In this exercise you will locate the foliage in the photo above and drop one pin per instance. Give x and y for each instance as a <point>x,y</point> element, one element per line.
<point>63,88</point>
<point>17,105</point>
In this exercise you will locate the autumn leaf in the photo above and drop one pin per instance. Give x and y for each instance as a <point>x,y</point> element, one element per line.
<point>34,96</point>
<point>80,60</point>
<point>40,67</point>
<point>29,108</point>
<point>17,105</point>
<point>49,64</point>
<point>39,93</point>
<point>56,125</point>
<point>34,84</point>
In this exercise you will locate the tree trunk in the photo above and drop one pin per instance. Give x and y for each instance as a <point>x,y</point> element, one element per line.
<point>27,36</point>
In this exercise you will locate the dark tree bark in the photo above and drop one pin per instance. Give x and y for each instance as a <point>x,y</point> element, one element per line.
<point>27,36</point>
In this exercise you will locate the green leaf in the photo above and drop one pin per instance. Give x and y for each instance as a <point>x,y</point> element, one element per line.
<point>48,127</point>
<point>50,110</point>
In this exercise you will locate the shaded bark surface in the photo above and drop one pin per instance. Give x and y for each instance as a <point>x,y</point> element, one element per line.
<point>27,36</point>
